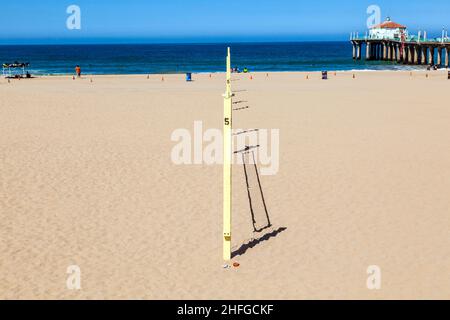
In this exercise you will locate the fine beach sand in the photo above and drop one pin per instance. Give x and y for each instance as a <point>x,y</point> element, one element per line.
<point>86,179</point>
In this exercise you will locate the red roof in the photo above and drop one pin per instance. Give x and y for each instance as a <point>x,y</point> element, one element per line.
<point>388,25</point>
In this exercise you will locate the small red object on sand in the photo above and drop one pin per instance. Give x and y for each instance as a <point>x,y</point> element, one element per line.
<point>236,265</point>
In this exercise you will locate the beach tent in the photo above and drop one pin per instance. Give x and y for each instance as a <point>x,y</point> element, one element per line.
<point>16,69</point>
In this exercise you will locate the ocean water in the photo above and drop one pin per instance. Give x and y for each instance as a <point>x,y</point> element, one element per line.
<point>180,58</point>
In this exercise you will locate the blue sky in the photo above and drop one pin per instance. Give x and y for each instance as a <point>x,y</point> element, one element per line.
<point>44,21</point>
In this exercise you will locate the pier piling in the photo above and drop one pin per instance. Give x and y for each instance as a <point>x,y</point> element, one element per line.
<point>446,51</point>
<point>397,49</point>
<point>423,52</point>
<point>430,55</point>
<point>439,56</point>
<point>416,55</point>
<point>368,51</point>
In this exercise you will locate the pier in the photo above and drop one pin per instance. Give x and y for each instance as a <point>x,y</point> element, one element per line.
<point>390,41</point>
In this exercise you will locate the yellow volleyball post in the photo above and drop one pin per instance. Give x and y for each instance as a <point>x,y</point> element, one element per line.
<point>227,157</point>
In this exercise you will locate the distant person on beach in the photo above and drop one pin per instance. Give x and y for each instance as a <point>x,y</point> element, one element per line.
<point>78,71</point>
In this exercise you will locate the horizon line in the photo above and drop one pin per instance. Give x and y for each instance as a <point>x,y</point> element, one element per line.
<point>167,43</point>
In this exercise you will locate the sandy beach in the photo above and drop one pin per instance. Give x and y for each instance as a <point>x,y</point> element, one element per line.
<point>86,179</point>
